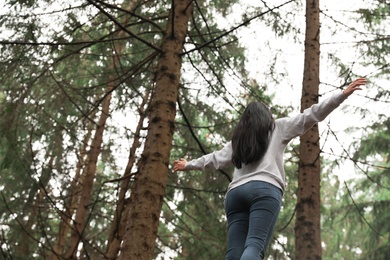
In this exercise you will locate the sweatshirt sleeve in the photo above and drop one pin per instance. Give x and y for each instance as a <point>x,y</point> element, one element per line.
<point>299,124</point>
<point>216,160</point>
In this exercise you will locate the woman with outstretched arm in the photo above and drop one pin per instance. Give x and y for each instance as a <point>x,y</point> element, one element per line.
<point>254,196</point>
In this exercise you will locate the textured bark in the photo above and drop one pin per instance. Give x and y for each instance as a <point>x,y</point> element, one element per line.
<point>116,231</point>
<point>149,187</point>
<point>117,226</point>
<point>307,228</point>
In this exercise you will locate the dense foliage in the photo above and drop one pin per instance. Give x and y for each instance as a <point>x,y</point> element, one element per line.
<point>69,68</point>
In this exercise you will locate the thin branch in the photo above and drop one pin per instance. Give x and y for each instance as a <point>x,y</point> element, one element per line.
<point>131,13</point>
<point>218,54</point>
<point>212,86</point>
<point>88,43</point>
<point>196,138</point>
<point>289,221</point>
<point>245,23</point>
<point>349,27</point>
<point>37,240</point>
<point>110,17</point>
<point>360,213</point>
<point>355,162</point>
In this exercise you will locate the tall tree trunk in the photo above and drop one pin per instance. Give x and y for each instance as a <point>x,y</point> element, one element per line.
<point>71,203</point>
<point>307,227</point>
<point>116,231</point>
<point>117,226</point>
<point>87,180</point>
<point>149,188</point>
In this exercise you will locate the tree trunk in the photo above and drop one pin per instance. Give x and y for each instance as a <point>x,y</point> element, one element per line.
<point>116,231</point>
<point>71,203</point>
<point>307,227</point>
<point>87,180</point>
<point>149,188</point>
<point>115,236</point>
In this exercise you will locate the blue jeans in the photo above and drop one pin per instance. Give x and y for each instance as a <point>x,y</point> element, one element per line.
<point>252,210</point>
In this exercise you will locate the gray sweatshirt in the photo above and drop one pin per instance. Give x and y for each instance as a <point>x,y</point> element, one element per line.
<point>270,168</point>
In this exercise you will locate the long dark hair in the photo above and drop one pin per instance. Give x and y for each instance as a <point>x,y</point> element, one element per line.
<point>251,136</point>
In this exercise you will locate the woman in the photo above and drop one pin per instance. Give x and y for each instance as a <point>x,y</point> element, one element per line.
<point>254,196</point>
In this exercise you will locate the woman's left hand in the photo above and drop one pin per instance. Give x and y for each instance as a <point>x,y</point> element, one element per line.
<point>355,85</point>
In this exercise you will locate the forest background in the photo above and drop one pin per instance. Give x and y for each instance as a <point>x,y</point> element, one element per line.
<point>79,88</point>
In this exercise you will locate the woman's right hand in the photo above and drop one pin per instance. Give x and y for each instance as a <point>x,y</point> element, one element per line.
<point>179,165</point>
<point>355,85</point>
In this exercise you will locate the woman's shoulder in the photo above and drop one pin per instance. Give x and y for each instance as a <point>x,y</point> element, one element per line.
<point>282,120</point>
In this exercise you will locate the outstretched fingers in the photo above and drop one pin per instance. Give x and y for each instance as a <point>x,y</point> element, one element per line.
<point>359,82</point>
<point>355,85</point>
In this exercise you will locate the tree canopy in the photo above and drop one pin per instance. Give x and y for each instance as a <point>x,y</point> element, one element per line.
<point>78,87</point>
